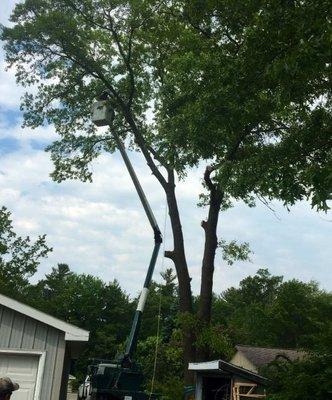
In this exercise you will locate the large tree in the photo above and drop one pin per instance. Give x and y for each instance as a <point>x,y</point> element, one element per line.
<point>241,85</point>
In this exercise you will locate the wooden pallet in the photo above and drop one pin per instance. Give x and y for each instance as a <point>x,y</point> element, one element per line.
<point>246,390</point>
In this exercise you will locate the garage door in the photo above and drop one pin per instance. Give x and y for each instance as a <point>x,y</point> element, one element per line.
<point>21,368</point>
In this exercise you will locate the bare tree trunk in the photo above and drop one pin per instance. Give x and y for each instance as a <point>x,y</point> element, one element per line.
<point>184,281</point>
<point>211,243</point>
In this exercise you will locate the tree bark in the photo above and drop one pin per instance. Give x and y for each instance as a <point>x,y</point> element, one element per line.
<point>211,243</point>
<point>178,256</point>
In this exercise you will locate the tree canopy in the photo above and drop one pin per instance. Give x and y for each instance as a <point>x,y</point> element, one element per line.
<point>247,85</point>
<point>244,84</point>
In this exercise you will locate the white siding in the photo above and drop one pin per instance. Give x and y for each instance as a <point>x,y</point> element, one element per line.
<point>241,360</point>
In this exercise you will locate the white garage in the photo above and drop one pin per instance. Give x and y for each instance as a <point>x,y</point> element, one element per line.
<point>36,350</point>
<point>25,368</point>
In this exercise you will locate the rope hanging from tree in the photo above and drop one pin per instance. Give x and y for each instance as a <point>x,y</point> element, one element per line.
<point>159,309</point>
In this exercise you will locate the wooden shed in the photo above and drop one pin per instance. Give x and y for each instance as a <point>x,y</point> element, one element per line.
<point>36,350</point>
<point>220,380</point>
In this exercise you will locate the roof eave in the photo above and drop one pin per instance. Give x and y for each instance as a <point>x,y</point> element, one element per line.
<point>71,331</point>
<point>220,365</point>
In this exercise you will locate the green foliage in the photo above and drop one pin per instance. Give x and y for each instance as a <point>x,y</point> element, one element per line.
<point>165,350</point>
<point>244,85</point>
<point>89,303</point>
<point>19,257</point>
<point>212,338</point>
<point>72,50</point>
<point>170,388</point>
<point>300,313</point>
<point>232,251</point>
<point>162,301</point>
<point>247,85</point>
<point>215,339</point>
<point>264,311</point>
<point>308,379</point>
<point>169,357</point>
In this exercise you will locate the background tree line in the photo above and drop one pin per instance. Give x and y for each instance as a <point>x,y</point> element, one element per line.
<point>264,310</point>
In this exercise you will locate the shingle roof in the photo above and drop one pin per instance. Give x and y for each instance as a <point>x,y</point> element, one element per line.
<point>260,356</point>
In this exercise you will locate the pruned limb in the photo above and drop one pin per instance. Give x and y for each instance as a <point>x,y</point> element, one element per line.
<point>170,254</point>
<point>207,178</point>
<point>204,224</point>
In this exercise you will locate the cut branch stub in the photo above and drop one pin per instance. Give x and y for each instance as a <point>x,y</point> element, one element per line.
<point>204,224</point>
<point>169,254</point>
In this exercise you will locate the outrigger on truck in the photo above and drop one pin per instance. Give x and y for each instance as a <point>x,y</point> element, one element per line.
<point>122,379</point>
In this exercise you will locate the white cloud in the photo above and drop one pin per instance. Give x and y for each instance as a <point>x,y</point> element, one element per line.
<point>6,8</point>
<point>10,92</point>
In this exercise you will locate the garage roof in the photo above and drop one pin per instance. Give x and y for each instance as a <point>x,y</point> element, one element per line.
<point>72,332</point>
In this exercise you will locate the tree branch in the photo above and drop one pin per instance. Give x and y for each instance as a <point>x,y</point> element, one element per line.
<point>85,16</point>
<point>112,30</point>
<point>126,57</point>
<point>207,178</point>
<point>99,140</point>
<point>140,141</point>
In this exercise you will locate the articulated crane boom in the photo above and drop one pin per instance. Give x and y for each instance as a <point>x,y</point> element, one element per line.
<point>122,379</point>
<point>132,341</point>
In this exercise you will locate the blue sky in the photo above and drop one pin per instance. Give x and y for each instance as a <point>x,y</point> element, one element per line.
<point>100,228</point>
